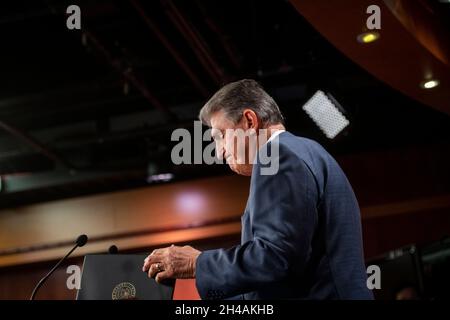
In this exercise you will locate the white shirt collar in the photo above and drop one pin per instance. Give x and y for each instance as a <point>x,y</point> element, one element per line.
<point>275,134</point>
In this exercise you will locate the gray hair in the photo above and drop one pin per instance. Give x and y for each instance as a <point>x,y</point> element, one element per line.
<point>235,97</point>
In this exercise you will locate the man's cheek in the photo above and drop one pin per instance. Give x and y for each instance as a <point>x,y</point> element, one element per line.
<point>228,150</point>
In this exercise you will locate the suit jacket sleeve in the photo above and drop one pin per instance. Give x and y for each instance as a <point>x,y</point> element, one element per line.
<point>282,212</point>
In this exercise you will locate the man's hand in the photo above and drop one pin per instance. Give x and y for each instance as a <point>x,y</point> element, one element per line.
<point>171,263</point>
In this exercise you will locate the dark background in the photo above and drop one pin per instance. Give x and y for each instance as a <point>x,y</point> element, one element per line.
<point>92,111</point>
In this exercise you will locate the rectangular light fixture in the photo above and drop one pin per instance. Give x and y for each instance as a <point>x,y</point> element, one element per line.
<point>325,112</point>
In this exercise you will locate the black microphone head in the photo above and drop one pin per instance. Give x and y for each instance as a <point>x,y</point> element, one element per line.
<point>113,249</point>
<point>81,240</point>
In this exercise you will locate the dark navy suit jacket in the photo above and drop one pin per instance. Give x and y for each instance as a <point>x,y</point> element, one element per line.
<point>301,234</point>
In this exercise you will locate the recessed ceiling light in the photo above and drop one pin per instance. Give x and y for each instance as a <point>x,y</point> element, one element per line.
<point>429,84</point>
<point>368,37</point>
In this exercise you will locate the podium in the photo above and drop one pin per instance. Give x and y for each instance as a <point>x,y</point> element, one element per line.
<point>120,277</point>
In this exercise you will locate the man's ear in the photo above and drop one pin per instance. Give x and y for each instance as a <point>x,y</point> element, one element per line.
<point>250,119</point>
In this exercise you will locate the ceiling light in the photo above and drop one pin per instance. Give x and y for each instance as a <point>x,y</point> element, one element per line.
<point>429,84</point>
<point>368,37</point>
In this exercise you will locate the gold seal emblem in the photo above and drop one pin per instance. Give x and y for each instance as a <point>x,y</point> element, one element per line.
<point>124,291</point>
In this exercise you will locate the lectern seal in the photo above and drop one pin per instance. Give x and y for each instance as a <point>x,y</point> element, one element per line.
<point>124,291</point>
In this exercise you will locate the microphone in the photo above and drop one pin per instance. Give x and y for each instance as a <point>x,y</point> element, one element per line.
<point>113,250</point>
<point>81,241</point>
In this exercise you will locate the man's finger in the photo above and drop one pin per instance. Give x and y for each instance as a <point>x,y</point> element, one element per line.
<point>153,258</point>
<point>152,271</point>
<point>161,276</point>
<point>154,252</point>
<point>146,265</point>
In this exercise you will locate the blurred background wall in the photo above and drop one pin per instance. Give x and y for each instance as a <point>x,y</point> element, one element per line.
<point>86,118</point>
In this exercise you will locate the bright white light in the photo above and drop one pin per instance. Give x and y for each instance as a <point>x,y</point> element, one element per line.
<point>325,114</point>
<point>429,84</point>
<point>163,177</point>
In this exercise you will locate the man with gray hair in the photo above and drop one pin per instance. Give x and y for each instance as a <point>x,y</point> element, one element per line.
<point>301,229</point>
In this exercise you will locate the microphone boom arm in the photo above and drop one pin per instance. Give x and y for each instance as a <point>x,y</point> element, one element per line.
<point>79,243</point>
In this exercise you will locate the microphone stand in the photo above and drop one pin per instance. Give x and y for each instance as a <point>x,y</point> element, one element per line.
<point>41,282</point>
